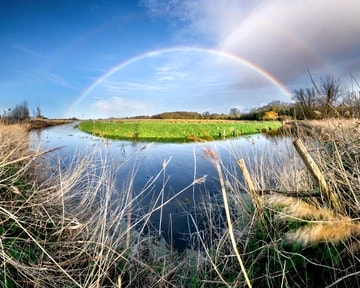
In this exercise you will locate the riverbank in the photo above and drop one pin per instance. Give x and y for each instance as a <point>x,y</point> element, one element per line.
<point>175,130</point>
<point>37,123</point>
<point>40,123</point>
<point>325,129</point>
<point>69,227</point>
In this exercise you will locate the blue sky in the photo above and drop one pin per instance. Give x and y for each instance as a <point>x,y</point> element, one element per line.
<point>97,59</point>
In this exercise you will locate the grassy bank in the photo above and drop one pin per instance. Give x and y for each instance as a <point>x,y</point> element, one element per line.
<point>40,123</point>
<point>69,226</point>
<point>36,123</point>
<point>175,130</point>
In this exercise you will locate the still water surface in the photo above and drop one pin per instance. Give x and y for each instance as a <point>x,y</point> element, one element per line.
<point>185,162</point>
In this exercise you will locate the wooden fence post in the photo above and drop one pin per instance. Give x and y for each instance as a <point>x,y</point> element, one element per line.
<point>315,173</point>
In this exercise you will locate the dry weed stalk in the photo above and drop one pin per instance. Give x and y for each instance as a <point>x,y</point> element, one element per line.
<point>216,162</point>
<point>332,232</point>
<point>68,227</point>
<point>295,208</point>
<point>331,218</point>
<point>322,224</point>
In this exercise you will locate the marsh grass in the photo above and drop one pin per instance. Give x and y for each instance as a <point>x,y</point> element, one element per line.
<point>287,233</point>
<point>71,226</point>
<point>67,227</point>
<point>307,233</point>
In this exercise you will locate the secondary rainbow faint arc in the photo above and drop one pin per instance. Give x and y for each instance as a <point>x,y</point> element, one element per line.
<point>154,53</point>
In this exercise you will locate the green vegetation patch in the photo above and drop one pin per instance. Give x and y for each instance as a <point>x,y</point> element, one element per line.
<point>175,130</point>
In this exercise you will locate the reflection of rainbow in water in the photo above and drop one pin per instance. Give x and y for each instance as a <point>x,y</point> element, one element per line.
<point>155,53</point>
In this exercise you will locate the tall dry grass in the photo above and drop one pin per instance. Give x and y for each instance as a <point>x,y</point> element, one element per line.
<point>315,241</point>
<point>70,226</point>
<point>288,234</point>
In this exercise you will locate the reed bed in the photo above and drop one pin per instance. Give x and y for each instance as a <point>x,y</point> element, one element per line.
<point>288,231</point>
<point>312,235</point>
<point>71,227</point>
<point>68,226</point>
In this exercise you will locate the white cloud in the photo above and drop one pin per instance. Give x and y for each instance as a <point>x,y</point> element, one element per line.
<point>286,37</point>
<point>283,37</point>
<point>29,51</point>
<point>171,72</point>
<point>55,78</point>
<point>120,107</point>
<point>184,10</point>
<point>124,86</point>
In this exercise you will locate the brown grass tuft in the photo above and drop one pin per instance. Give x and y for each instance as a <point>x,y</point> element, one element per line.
<point>294,207</point>
<point>13,141</point>
<point>323,232</point>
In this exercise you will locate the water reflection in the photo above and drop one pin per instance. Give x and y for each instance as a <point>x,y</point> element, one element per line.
<point>164,173</point>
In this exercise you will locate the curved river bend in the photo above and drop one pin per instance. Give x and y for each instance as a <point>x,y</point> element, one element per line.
<point>185,163</point>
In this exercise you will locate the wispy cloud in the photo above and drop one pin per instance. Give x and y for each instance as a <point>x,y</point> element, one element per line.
<point>120,107</point>
<point>286,38</point>
<point>28,51</point>
<point>126,86</point>
<point>185,10</point>
<point>283,37</point>
<point>54,78</point>
<point>171,72</point>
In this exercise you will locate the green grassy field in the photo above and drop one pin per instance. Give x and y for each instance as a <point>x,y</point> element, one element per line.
<point>175,130</point>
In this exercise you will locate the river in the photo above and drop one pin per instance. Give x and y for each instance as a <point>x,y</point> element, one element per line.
<point>176,165</point>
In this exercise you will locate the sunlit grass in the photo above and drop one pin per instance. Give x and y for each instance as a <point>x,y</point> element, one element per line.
<point>175,130</point>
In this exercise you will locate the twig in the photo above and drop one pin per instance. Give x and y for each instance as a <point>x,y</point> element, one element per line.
<point>292,193</point>
<point>28,157</point>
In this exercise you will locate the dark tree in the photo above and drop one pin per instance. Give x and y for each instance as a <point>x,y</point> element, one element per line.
<point>306,100</point>
<point>330,93</point>
<point>234,113</point>
<point>20,112</point>
<point>352,101</point>
<point>38,112</point>
<point>206,115</point>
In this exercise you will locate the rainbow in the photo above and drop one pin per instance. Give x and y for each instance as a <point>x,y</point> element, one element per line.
<point>155,53</point>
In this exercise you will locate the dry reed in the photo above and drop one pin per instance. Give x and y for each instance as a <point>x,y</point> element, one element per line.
<point>71,227</point>
<point>68,226</point>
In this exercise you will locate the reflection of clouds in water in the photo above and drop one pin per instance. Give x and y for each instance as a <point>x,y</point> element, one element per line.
<point>186,163</point>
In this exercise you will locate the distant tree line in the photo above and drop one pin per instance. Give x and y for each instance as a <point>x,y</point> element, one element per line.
<point>177,115</point>
<point>275,110</point>
<point>326,99</point>
<point>320,100</point>
<point>20,112</point>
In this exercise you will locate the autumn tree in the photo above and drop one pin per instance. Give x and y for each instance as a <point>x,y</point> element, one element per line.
<point>270,115</point>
